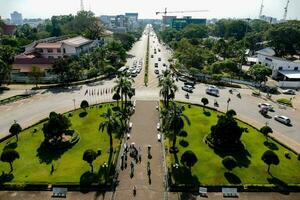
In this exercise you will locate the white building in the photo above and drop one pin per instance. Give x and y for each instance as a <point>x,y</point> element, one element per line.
<point>16,18</point>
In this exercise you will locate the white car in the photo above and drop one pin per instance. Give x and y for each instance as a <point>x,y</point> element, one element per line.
<point>158,126</point>
<point>212,90</point>
<point>283,119</point>
<point>288,91</point>
<point>266,105</point>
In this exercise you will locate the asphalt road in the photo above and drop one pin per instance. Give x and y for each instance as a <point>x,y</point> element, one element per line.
<point>29,111</point>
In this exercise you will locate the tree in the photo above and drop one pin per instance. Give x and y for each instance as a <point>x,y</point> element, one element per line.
<point>168,87</point>
<point>110,124</point>
<point>195,31</point>
<point>67,69</point>
<point>55,127</point>
<point>4,72</point>
<point>229,162</point>
<point>174,121</point>
<point>204,101</point>
<point>260,72</point>
<point>116,97</point>
<point>35,75</point>
<point>189,159</point>
<point>270,158</point>
<point>7,54</point>
<point>15,129</point>
<point>89,156</point>
<point>84,104</point>
<point>226,133</point>
<point>123,87</point>
<point>266,130</point>
<point>126,39</point>
<point>9,155</point>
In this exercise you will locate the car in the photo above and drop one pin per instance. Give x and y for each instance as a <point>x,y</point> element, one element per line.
<point>158,137</point>
<point>182,78</point>
<point>190,83</point>
<point>164,65</point>
<point>156,71</point>
<point>152,56</point>
<point>158,126</point>
<point>212,90</point>
<point>289,91</point>
<point>159,59</point>
<point>266,105</point>
<point>158,50</point>
<point>187,88</point>
<point>156,65</point>
<point>283,119</point>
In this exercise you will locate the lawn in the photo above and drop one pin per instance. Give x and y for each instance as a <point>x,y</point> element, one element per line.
<point>34,165</point>
<point>209,169</point>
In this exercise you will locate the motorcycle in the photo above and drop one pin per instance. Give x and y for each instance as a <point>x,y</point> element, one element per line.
<point>230,91</point>
<point>239,95</point>
<point>187,95</point>
<point>216,104</point>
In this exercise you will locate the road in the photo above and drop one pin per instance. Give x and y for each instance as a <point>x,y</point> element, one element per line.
<point>29,111</point>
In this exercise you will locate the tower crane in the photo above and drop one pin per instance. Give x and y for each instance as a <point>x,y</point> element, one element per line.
<point>286,10</point>
<point>261,9</point>
<point>165,12</point>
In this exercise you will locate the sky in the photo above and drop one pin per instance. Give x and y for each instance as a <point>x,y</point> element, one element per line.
<point>147,8</point>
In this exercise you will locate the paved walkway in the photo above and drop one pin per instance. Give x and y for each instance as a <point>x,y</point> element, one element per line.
<point>143,133</point>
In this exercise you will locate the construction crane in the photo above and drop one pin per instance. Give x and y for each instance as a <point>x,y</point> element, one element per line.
<point>286,10</point>
<point>185,11</point>
<point>261,9</point>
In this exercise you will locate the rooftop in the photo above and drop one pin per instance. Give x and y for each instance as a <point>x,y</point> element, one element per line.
<point>45,45</point>
<point>77,41</point>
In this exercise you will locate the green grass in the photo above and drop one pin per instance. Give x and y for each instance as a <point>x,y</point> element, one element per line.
<point>209,169</point>
<point>285,102</point>
<point>33,167</point>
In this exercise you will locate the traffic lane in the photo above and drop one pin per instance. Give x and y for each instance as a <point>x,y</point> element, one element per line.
<point>247,106</point>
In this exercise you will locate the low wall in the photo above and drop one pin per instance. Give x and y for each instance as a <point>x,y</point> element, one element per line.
<point>289,84</point>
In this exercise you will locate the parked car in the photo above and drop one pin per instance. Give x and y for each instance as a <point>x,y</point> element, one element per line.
<point>190,83</point>
<point>156,65</point>
<point>152,56</point>
<point>164,64</point>
<point>289,91</point>
<point>158,50</point>
<point>159,59</point>
<point>266,105</point>
<point>182,78</point>
<point>212,90</point>
<point>283,119</point>
<point>156,71</point>
<point>187,88</point>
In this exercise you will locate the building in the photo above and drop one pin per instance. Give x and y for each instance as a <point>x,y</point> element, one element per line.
<point>120,23</point>
<point>16,18</point>
<point>285,71</point>
<point>43,53</point>
<point>132,21</point>
<point>7,29</point>
<point>167,20</point>
<point>180,23</point>
<point>268,19</point>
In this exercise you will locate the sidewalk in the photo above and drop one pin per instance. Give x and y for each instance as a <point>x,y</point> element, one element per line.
<point>143,133</point>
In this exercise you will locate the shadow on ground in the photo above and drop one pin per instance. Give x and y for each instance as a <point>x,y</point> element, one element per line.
<point>271,145</point>
<point>11,145</point>
<point>6,177</point>
<point>232,178</point>
<point>242,156</point>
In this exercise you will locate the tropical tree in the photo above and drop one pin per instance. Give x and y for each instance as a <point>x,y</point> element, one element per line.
<point>260,72</point>
<point>116,97</point>
<point>15,129</point>
<point>4,72</point>
<point>270,158</point>
<point>84,104</point>
<point>266,130</point>
<point>9,155</point>
<point>35,75</point>
<point>175,121</point>
<point>189,159</point>
<point>229,162</point>
<point>204,101</point>
<point>89,156</point>
<point>168,87</point>
<point>123,87</point>
<point>110,124</point>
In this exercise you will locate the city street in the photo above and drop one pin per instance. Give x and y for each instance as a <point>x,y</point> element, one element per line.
<point>31,110</point>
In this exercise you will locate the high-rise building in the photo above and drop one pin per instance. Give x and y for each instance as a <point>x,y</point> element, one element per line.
<point>16,18</point>
<point>180,23</point>
<point>168,20</point>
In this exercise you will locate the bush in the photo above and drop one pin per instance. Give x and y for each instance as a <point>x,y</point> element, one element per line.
<point>189,159</point>
<point>229,162</point>
<point>287,155</point>
<point>285,102</point>
<point>184,143</point>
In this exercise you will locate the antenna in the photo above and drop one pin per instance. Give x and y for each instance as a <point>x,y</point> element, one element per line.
<point>81,5</point>
<point>261,9</point>
<point>286,10</point>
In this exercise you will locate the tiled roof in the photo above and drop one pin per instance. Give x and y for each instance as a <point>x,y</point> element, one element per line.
<point>45,45</point>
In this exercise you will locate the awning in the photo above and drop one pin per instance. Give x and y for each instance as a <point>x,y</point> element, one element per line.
<point>290,74</point>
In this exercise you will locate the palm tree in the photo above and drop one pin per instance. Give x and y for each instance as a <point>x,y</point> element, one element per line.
<point>175,121</point>
<point>123,87</point>
<point>168,87</point>
<point>110,124</point>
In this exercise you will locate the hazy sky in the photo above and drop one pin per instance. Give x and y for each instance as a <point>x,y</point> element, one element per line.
<point>147,8</point>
